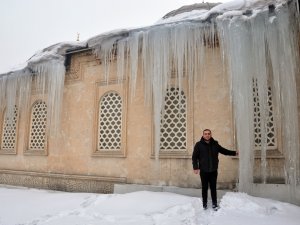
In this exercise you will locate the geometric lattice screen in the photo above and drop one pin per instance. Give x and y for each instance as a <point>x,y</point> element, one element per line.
<point>37,138</point>
<point>173,123</point>
<point>110,122</point>
<point>9,131</point>
<point>271,131</point>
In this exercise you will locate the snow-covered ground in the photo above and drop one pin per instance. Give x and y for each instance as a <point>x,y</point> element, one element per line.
<point>20,206</point>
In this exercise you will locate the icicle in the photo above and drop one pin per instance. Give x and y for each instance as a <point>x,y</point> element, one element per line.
<point>289,61</point>
<point>158,72</point>
<point>15,92</point>
<point>3,80</point>
<point>120,60</point>
<point>248,42</point>
<point>235,39</point>
<point>24,93</point>
<point>133,47</point>
<point>260,76</point>
<point>49,77</point>
<point>105,48</point>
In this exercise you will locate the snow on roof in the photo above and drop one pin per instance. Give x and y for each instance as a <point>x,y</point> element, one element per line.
<point>187,8</point>
<point>53,52</point>
<point>227,9</point>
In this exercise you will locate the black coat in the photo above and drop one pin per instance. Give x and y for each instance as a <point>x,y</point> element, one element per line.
<point>205,155</point>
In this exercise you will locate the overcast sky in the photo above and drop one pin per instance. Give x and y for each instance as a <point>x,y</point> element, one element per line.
<point>27,26</point>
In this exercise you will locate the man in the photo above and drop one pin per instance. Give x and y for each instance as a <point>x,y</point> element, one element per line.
<point>205,160</point>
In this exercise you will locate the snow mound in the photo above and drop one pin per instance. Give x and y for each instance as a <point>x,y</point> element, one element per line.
<point>41,207</point>
<point>245,203</point>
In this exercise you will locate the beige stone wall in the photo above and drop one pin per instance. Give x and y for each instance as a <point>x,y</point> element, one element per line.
<point>73,151</point>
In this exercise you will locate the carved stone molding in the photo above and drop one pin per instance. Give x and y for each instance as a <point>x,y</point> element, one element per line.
<point>75,63</point>
<point>60,182</point>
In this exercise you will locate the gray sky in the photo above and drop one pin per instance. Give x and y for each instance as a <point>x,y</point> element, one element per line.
<point>31,25</point>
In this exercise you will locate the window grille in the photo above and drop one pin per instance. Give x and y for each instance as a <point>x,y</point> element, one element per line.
<point>9,131</point>
<point>110,122</point>
<point>37,140</point>
<point>271,131</point>
<point>173,124</point>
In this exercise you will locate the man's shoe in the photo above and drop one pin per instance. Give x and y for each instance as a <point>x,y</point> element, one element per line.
<point>204,206</point>
<point>215,207</point>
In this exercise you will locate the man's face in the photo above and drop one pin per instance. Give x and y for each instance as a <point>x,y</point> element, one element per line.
<point>207,135</point>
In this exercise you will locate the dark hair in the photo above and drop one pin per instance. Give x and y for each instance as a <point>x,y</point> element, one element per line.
<point>206,130</point>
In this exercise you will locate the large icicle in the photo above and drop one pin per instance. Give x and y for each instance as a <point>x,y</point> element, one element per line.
<point>287,51</point>
<point>49,79</point>
<point>249,41</point>
<point>235,38</point>
<point>47,71</point>
<point>15,91</point>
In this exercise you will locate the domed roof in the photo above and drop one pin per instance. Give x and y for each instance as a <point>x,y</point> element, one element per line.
<point>189,8</point>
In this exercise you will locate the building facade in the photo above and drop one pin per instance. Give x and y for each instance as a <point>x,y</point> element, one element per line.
<point>135,102</point>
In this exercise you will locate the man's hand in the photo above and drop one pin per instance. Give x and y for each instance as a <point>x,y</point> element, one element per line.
<point>196,171</point>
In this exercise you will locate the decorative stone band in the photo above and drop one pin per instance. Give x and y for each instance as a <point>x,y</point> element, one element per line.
<point>60,182</point>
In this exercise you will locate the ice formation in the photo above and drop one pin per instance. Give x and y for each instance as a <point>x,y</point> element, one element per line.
<point>267,52</point>
<point>43,73</point>
<point>258,39</point>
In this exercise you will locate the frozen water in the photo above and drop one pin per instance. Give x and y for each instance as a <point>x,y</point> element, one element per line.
<point>44,73</point>
<point>273,47</point>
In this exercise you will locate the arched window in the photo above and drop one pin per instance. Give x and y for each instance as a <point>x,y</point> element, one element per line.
<point>110,122</point>
<point>9,132</point>
<point>173,125</point>
<point>38,124</point>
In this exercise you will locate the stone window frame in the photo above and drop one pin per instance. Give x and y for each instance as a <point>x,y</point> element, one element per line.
<point>173,153</point>
<point>2,123</point>
<point>27,150</point>
<point>102,88</point>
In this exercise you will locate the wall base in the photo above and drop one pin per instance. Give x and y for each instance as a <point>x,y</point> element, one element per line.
<point>60,182</point>
<point>193,192</point>
<point>280,192</point>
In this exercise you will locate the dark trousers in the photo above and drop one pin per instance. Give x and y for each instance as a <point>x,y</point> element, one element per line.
<point>209,178</point>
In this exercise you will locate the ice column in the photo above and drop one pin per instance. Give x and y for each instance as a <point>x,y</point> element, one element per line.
<point>235,39</point>
<point>264,48</point>
<point>15,92</point>
<point>49,77</point>
<point>285,58</point>
<point>45,77</point>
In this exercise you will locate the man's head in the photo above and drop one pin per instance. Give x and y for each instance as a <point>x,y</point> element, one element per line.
<point>207,134</point>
